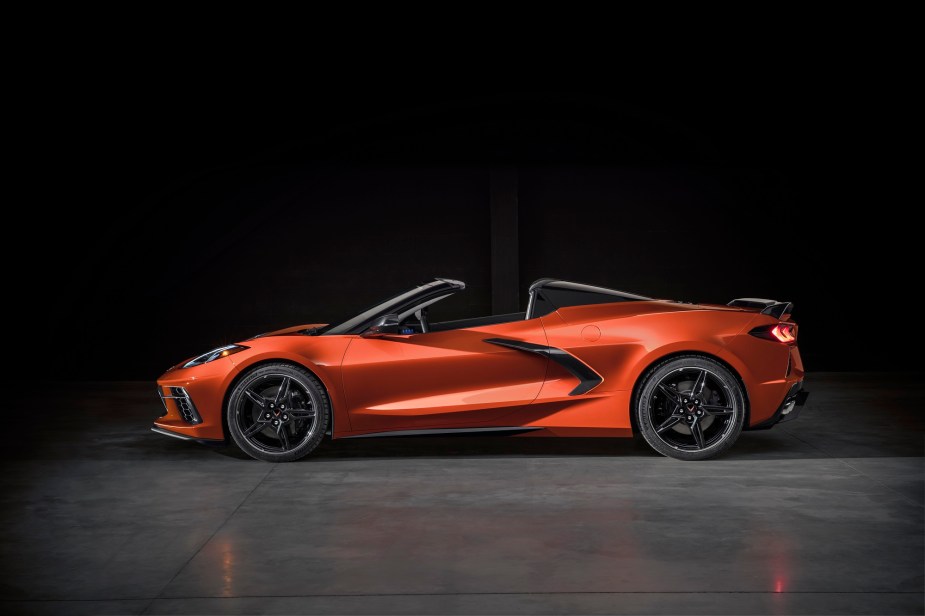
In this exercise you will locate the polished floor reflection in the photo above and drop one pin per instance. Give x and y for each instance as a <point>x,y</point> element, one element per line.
<point>822,515</point>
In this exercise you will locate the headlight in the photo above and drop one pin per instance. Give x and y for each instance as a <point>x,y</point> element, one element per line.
<point>214,354</point>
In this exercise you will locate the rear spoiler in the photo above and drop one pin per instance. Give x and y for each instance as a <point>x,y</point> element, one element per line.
<point>770,307</point>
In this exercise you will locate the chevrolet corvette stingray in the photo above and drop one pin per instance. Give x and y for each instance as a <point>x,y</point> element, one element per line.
<point>581,361</point>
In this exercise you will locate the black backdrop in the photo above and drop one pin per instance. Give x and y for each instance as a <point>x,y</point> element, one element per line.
<point>197,215</point>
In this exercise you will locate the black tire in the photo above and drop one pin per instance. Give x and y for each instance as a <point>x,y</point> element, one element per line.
<point>278,413</point>
<point>690,408</point>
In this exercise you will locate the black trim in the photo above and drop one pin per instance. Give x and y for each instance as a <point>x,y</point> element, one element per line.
<point>770,307</point>
<point>551,283</point>
<point>796,395</point>
<point>778,310</point>
<point>589,379</point>
<point>184,437</point>
<point>185,405</point>
<point>571,294</point>
<point>752,302</point>
<point>539,284</point>
<point>395,305</point>
<point>445,431</point>
<point>477,322</point>
<point>799,401</point>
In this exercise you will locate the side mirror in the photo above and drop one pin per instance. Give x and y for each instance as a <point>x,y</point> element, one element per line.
<point>387,324</point>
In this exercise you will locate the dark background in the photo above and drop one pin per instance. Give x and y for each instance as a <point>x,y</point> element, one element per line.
<point>164,216</point>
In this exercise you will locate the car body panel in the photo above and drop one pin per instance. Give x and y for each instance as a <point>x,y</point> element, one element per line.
<point>454,379</point>
<point>440,379</point>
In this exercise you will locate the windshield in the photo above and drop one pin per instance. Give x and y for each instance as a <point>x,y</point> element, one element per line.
<point>394,305</point>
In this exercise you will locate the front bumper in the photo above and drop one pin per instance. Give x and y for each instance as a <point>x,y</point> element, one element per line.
<point>180,412</point>
<point>193,398</point>
<point>204,441</point>
<point>788,410</point>
<point>182,402</point>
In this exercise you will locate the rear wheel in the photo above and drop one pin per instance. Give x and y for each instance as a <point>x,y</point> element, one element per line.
<point>278,413</point>
<point>690,408</point>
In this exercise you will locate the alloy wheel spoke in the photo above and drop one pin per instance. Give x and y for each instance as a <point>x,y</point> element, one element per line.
<point>255,398</point>
<point>283,391</point>
<point>669,393</point>
<point>715,409</point>
<point>699,383</point>
<point>257,427</point>
<point>283,433</point>
<point>301,413</point>
<point>668,423</point>
<point>698,434</point>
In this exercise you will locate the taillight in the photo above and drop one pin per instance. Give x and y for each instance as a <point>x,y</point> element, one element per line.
<point>785,333</point>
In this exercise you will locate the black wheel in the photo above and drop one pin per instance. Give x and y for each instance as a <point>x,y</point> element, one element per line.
<point>690,408</point>
<point>278,413</point>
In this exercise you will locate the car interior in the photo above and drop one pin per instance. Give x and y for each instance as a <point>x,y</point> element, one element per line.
<point>415,319</point>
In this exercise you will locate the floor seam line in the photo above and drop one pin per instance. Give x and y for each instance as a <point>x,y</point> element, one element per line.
<point>857,470</point>
<point>477,594</point>
<point>208,539</point>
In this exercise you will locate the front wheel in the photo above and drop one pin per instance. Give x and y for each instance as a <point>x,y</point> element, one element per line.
<point>278,413</point>
<point>690,408</point>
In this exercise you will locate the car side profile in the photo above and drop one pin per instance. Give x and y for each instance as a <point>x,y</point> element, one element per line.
<point>580,361</point>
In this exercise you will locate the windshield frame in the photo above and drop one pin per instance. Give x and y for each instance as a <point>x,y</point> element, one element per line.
<point>397,304</point>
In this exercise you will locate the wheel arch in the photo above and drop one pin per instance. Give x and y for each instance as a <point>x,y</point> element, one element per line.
<point>647,368</point>
<point>247,369</point>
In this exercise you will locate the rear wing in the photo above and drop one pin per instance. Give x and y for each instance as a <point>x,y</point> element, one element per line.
<point>770,307</point>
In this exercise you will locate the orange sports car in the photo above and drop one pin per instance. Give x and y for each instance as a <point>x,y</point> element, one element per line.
<point>581,361</point>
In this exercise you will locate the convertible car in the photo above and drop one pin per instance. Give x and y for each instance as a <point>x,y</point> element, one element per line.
<point>581,361</point>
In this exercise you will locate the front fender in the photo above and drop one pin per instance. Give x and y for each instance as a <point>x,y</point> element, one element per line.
<point>322,356</point>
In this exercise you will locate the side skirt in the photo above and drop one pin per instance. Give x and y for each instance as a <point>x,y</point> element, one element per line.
<point>446,432</point>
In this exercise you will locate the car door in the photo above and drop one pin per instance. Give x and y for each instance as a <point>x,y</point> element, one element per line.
<point>441,379</point>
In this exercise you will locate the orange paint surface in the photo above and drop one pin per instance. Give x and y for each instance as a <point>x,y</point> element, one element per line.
<point>454,379</point>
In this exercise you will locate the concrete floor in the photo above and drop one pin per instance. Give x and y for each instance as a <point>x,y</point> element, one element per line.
<point>822,515</point>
